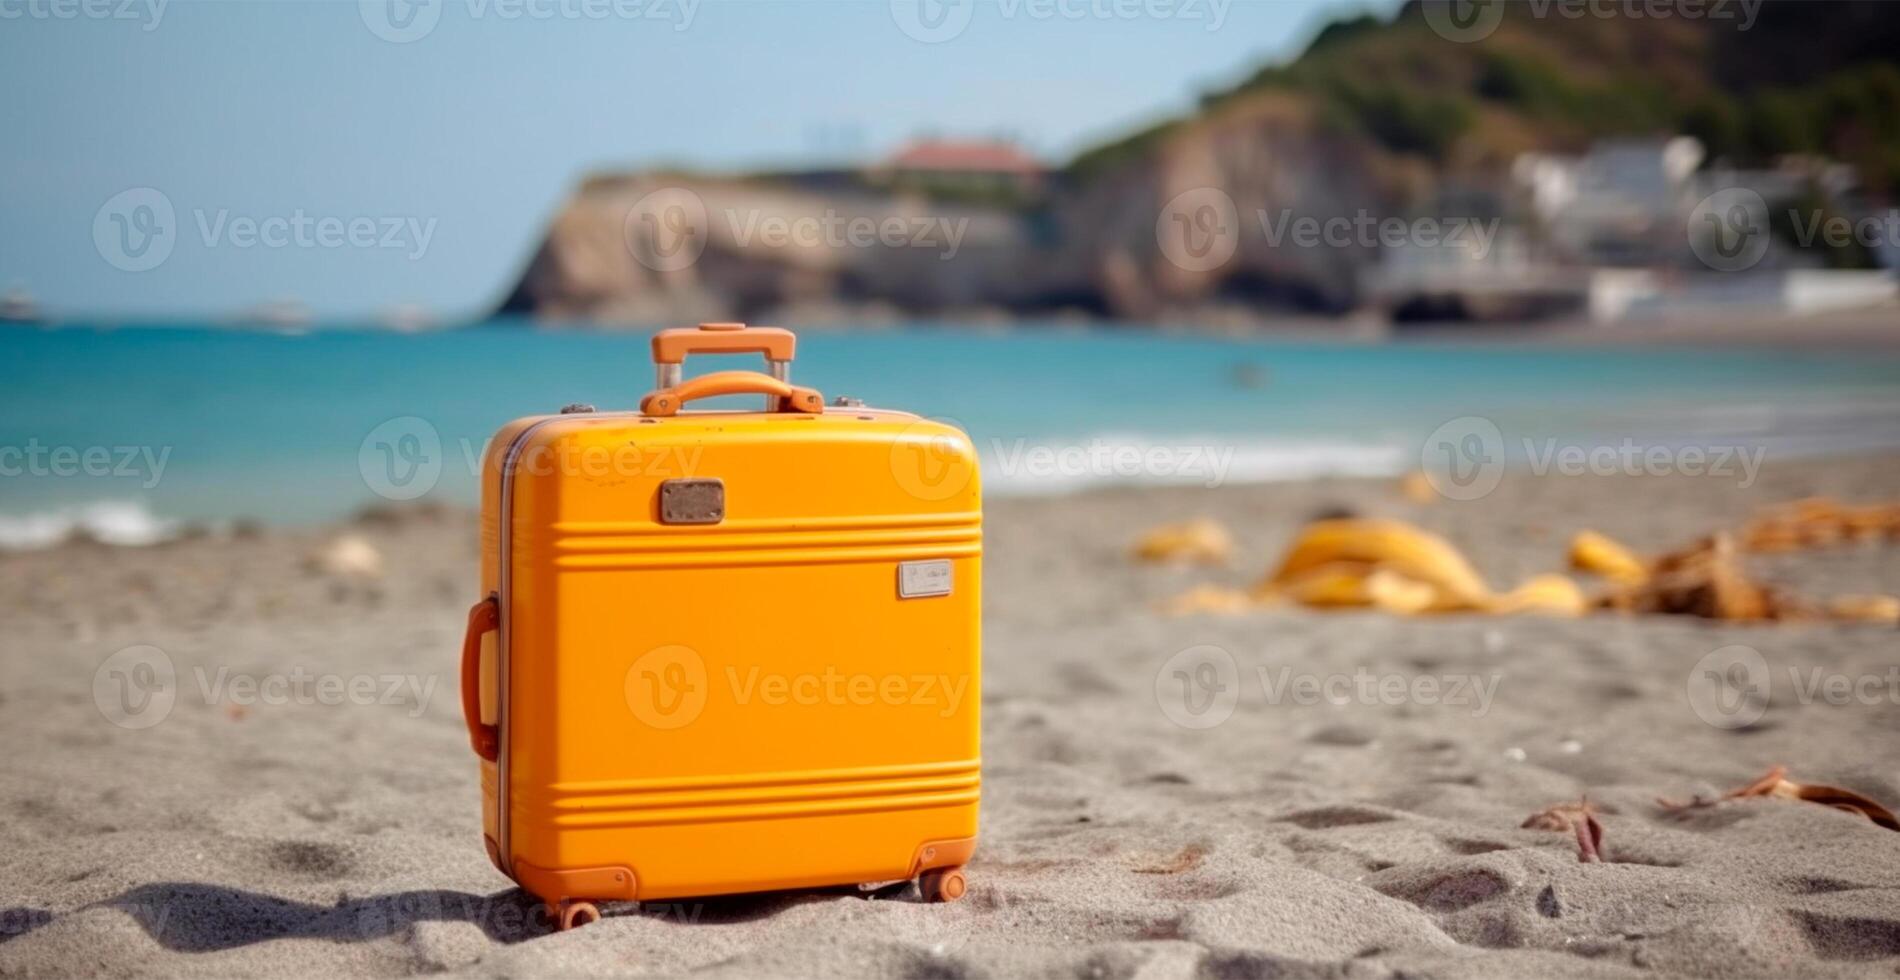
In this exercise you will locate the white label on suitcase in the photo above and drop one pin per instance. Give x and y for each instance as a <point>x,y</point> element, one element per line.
<point>916,579</point>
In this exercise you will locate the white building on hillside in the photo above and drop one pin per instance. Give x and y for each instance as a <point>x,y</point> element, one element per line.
<point>1619,205</point>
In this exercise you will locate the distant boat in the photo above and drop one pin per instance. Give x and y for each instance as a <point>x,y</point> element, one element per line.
<point>18,306</point>
<point>280,316</point>
<point>407,318</point>
<point>1245,375</point>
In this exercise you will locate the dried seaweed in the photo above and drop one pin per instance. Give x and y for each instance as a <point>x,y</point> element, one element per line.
<point>1775,784</point>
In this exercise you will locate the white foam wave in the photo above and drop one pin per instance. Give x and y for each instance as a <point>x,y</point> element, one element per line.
<point>116,522</point>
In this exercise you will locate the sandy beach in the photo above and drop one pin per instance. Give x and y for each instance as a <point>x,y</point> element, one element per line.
<point>268,833</point>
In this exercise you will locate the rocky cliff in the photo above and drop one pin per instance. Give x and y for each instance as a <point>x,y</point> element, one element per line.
<point>669,247</point>
<point>1377,118</point>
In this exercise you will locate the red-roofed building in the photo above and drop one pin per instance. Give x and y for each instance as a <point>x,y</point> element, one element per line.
<point>977,166</point>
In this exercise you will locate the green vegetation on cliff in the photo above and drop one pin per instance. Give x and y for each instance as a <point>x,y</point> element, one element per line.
<point>1801,76</point>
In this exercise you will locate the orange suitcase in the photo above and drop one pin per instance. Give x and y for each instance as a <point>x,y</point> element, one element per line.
<point>726,651</point>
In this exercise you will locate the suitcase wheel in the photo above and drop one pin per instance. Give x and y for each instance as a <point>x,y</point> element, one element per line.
<point>572,915</point>
<point>942,885</point>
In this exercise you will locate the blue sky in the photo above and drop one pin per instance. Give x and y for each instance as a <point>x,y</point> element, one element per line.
<point>283,121</point>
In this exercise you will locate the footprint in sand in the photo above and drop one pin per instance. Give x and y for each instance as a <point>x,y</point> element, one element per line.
<point>1844,937</point>
<point>1349,815</point>
<point>310,859</point>
<point>1447,889</point>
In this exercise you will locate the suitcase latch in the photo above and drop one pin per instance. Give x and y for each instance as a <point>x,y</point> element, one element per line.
<point>701,501</point>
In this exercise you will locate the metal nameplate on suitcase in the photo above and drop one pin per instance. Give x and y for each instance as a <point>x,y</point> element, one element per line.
<point>692,501</point>
<point>918,579</point>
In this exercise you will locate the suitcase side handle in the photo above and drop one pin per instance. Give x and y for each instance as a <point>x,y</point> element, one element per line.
<point>670,347</point>
<point>785,397</point>
<point>484,617</point>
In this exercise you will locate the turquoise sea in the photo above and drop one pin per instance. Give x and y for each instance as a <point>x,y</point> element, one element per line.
<point>133,431</point>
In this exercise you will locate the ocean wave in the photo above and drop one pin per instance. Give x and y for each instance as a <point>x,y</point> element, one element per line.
<point>128,523</point>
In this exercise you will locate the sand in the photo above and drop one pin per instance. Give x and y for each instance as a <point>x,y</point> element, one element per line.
<point>1354,840</point>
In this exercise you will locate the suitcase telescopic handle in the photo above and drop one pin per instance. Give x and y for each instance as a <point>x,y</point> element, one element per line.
<point>483,618</point>
<point>670,348</point>
<point>782,396</point>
